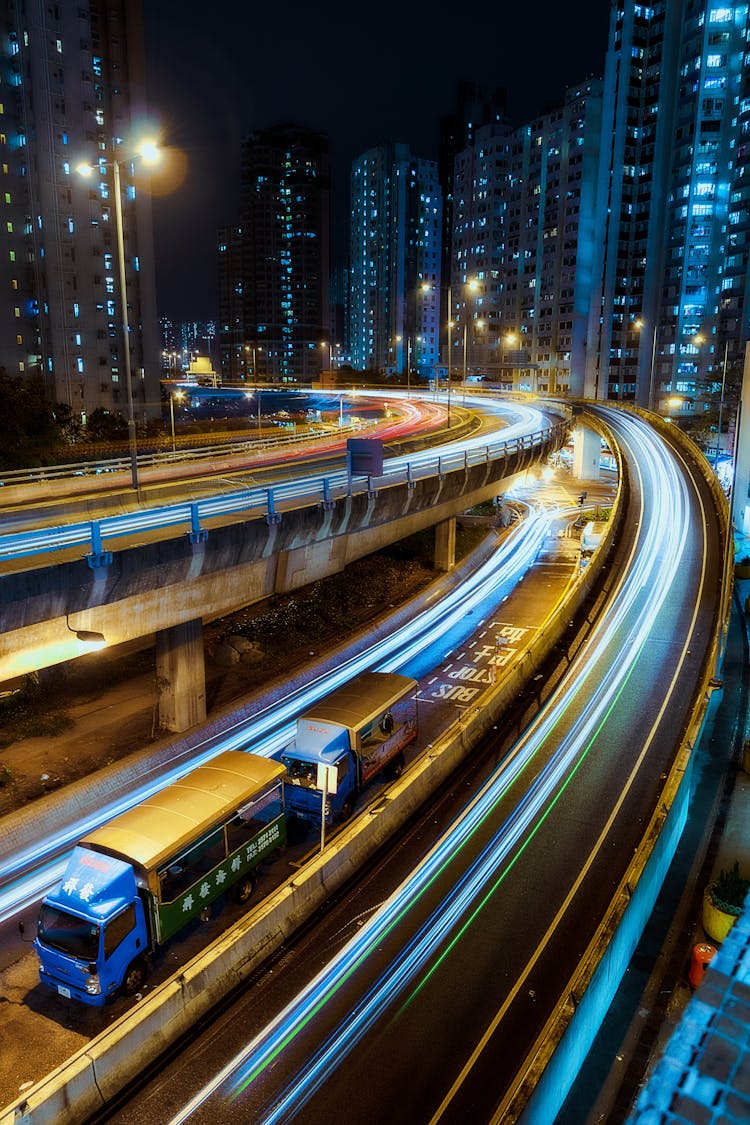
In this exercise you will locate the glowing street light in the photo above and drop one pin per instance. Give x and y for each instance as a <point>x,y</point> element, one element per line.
<point>178,396</point>
<point>327,344</point>
<point>640,325</point>
<point>250,395</point>
<point>149,152</point>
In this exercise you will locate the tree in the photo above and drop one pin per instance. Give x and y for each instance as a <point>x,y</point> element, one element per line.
<point>29,429</point>
<point>105,426</point>
<point>69,424</point>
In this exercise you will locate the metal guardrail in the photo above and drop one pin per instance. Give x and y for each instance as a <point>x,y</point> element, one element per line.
<point>262,501</point>
<point>170,457</point>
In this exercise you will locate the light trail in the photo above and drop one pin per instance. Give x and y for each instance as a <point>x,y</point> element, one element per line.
<point>525,422</point>
<point>273,727</point>
<point>609,656</point>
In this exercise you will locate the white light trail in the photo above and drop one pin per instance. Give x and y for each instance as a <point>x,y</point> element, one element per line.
<point>609,657</point>
<point>273,727</point>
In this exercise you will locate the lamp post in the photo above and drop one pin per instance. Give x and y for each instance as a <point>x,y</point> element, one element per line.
<point>150,153</point>
<point>250,395</point>
<point>721,403</point>
<point>327,344</point>
<point>509,338</point>
<point>179,396</point>
<point>408,366</point>
<point>450,326</point>
<point>640,325</point>
<point>472,285</point>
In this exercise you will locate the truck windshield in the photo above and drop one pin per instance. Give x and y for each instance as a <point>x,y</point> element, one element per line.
<point>68,934</point>
<point>300,773</point>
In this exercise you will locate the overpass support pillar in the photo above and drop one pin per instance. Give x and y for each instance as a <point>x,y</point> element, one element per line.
<point>445,544</point>
<point>586,454</point>
<point>181,675</point>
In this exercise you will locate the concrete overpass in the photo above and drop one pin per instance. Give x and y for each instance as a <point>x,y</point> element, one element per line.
<point>168,587</point>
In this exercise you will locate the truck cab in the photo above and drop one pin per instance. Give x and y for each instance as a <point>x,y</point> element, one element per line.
<point>91,933</point>
<point>304,783</point>
<point>346,739</point>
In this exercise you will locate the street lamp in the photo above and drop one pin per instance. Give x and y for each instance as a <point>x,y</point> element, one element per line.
<point>640,325</point>
<point>450,326</point>
<point>473,286</point>
<point>149,152</point>
<point>179,396</point>
<point>250,395</point>
<point>408,363</point>
<point>327,344</point>
<point>508,338</point>
<point>721,403</point>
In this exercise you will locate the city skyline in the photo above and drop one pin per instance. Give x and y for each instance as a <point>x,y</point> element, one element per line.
<point>210,89</point>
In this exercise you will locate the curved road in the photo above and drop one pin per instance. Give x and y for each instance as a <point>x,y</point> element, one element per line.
<point>523,425</point>
<point>423,996</point>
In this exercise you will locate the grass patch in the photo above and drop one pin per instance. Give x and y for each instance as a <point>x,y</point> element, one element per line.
<point>327,611</point>
<point>25,714</point>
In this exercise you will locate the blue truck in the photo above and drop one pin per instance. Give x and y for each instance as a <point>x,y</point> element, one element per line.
<point>135,882</point>
<point>346,739</point>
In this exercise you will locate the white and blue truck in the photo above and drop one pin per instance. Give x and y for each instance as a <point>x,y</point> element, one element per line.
<point>345,740</point>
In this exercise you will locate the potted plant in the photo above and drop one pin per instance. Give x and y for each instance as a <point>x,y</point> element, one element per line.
<point>742,567</point>
<point>723,901</point>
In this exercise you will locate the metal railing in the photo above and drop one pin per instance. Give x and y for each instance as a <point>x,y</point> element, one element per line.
<point>168,457</point>
<point>262,501</point>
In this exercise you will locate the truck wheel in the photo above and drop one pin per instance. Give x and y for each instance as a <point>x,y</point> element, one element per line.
<point>396,767</point>
<point>243,889</point>
<point>135,977</point>
<point>346,809</point>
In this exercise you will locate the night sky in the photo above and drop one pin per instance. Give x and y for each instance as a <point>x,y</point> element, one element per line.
<point>216,71</point>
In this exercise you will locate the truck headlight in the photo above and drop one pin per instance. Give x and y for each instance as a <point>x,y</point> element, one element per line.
<point>93,987</point>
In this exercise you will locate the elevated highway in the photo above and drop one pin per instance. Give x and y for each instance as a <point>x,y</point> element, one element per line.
<point>163,571</point>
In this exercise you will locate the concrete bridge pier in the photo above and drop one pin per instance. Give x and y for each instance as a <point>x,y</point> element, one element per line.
<point>445,544</point>
<point>586,454</point>
<point>181,675</point>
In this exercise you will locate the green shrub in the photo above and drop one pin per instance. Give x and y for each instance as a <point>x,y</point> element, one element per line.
<point>729,890</point>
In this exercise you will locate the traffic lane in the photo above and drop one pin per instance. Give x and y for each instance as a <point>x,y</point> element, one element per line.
<point>42,1009</point>
<point>443,695</point>
<point>181,1076</point>
<point>618,843</point>
<point>27,506</point>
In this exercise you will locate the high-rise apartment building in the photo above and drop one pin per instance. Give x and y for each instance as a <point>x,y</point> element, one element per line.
<point>670,308</point>
<point>72,90</point>
<point>476,106</point>
<point>396,216</point>
<point>523,244</point>
<point>274,267</point>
